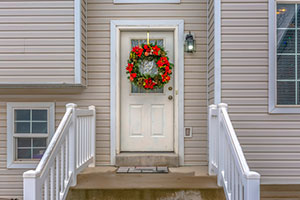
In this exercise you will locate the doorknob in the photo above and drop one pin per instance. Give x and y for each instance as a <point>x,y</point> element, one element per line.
<point>170,88</point>
<point>170,97</point>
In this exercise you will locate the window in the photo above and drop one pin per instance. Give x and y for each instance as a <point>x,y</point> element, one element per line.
<point>284,49</point>
<point>146,1</point>
<point>29,130</point>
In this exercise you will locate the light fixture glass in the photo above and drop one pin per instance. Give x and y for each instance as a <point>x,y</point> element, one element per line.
<point>190,43</point>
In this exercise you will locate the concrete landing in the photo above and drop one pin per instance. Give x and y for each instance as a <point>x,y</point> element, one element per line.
<point>178,178</point>
<point>192,183</point>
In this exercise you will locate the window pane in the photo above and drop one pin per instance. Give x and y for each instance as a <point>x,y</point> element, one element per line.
<point>24,142</point>
<point>22,127</point>
<point>39,142</point>
<point>38,153</point>
<point>39,115</point>
<point>39,127</point>
<point>24,154</point>
<point>286,15</point>
<point>298,15</point>
<point>285,67</point>
<point>298,99</point>
<point>286,41</point>
<point>286,93</point>
<point>22,115</point>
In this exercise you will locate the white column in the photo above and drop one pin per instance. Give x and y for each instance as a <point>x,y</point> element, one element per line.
<point>72,144</point>
<point>32,187</point>
<point>93,129</point>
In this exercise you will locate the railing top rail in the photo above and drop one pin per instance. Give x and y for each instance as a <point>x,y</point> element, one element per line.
<point>236,147</point>
<point>53,144</point>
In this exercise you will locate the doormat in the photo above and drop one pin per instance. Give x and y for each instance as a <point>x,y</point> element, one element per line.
<point>149,170</point>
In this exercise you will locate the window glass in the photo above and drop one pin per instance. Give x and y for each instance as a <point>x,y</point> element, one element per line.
<point>288,54</point>
<point>34,124</point>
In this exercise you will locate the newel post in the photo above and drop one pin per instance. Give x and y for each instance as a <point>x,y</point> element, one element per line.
<point>221,138</point>
<point>212,138</point>
<point>32,187</point>
<point>72,143</point>
<point>252,186</point>
<point>93,134</point>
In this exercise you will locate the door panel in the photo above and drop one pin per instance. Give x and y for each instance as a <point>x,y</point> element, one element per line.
<point>146,115</point>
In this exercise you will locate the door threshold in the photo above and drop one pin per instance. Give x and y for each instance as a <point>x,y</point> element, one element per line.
<point>169,159</point>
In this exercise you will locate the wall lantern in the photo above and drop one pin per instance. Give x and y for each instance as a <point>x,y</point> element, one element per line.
<point>190,44</point>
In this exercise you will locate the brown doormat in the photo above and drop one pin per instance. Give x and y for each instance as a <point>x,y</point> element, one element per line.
<point>148,170</point>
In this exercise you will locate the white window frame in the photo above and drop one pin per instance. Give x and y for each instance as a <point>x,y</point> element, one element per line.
<point>146,1</point>
<point>11,106</point>
<point>273,108</point>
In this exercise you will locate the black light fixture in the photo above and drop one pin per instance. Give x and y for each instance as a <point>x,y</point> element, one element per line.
<point>189,43</point>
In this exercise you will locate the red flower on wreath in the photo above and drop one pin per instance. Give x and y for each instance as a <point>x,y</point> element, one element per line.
<point>149,83</point>
<point>138,51</point>
<point>162,62</point>
<point>165,77</point>
<point>129,67</point>
<point>155,49</point>
<point>147,48</point>
<point>132,76</point>
<point>167,70</point>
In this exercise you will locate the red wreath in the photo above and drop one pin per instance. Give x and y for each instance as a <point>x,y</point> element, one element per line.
<point>149,52</point>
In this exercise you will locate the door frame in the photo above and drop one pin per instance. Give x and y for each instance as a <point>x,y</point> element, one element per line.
<point>116,26</point>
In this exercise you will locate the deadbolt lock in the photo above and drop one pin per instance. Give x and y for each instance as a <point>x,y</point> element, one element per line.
<point>170,88</point>
<point>170,97</point>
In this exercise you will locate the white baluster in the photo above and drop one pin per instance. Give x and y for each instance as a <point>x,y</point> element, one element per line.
<point>67,157</point>
<point>57,177</point>
<point>52,189</point>
<point>62,162</point>
<point>46,188</point>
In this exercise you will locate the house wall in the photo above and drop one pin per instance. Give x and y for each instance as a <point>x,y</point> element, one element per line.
<point>100,12</point>
<point>210,51</point>
<point>84,42</point>
<point>270,141</point>
<point>37,41</point>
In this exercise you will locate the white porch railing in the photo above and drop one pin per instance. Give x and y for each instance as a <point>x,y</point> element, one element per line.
<point>226,158</point>
<point>71,149</point>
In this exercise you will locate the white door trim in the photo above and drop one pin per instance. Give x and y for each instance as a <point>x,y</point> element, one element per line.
<point>115,27</point>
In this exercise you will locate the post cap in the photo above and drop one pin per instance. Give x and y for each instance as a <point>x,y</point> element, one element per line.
<point>71,105</point>
<point>222,105</point>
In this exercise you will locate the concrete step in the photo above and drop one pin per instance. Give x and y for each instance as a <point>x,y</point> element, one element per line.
<point>147,159</point>
<point>183,183</point>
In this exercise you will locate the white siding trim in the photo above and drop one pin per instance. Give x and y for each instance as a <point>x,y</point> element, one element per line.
<point>217,52</point>
<point>77,32</point>
<point>178,26</point>
<point>272,65</point>
<point>146,1</point>
<point>10,146</point>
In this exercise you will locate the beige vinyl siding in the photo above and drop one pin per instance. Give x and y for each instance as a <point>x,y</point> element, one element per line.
<point>100,12</point>
<point>270,141</point>
<point>282,192</point>
<point>211,50</point>
<point>194,13</point>
<point>83,42</point>
<point>36,41</point>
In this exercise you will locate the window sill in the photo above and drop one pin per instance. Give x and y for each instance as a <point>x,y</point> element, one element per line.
<point>23,165</point>
<point>284,110</point>
<point>145,1</point>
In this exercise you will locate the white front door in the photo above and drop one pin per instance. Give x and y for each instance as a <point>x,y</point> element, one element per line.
<point>146,116</point>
